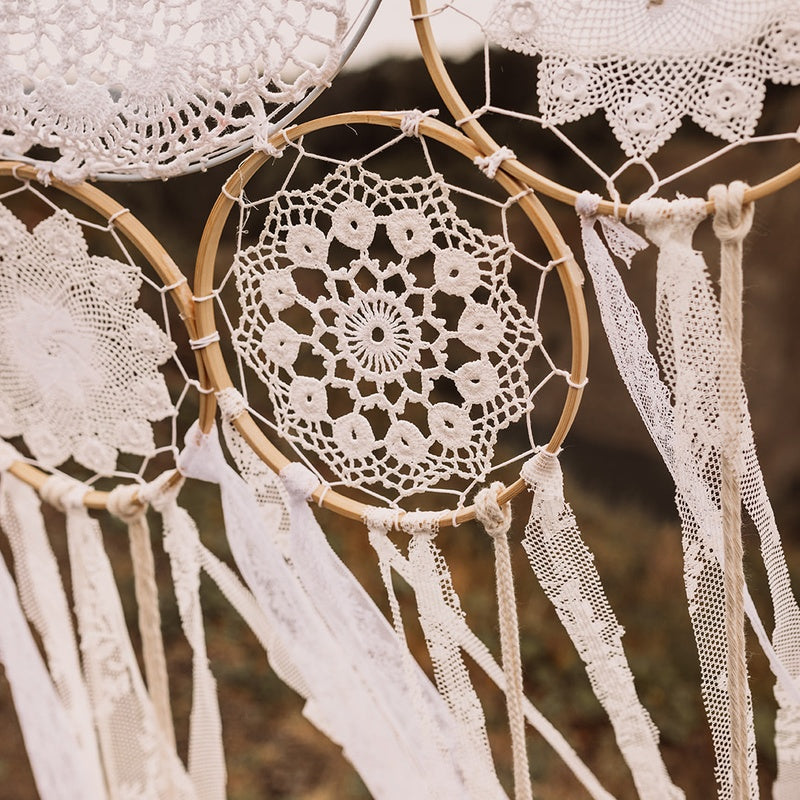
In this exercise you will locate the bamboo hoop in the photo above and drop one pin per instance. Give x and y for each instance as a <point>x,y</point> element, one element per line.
<point>155,254</point>
<point>475,131</point>
<point>568,271</point>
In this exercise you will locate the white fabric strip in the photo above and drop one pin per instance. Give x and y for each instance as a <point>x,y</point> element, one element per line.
<point>565,568</point>
<point>43,597</point>
<point>390,557</point>
<point>339,702</point>
<point>62,768</point>
<point>182,544</point>
<point>640,372</point>
<point>425,728</point>
<point>138,761</point>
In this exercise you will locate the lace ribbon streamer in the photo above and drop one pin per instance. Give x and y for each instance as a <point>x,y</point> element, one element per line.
<point>565,568</point>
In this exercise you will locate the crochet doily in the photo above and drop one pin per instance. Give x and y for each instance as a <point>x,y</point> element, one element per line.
<point>649,63</point>
<point>150,89</point>
<point>79,362</point>
<point>368,303</point>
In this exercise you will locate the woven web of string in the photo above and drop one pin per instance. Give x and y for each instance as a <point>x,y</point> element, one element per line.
<point>90,375</point>
<point>383,326</point>
<point>152,89</point>
<point>647,65</point>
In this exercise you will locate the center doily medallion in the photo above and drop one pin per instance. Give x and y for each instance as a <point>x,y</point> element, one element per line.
<point>414,326</point>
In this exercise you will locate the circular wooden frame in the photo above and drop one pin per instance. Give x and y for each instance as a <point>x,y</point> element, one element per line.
<point>475,131</point>
<point>569,273</point>
<point>155,254</point>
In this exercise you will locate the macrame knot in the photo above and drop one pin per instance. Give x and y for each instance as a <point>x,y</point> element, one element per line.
<point>420,523</point>
<point>586,204</point>
<point>231,403</point>
<point>64,494</point>
<point>489,165</point>
<point>539,468</point>
<point>496,519</point>
<point>125,502</point>
<point>163,490</point>
<point>8,455</point>
<point>299,480</point>
<point>380,520</point>
<point>409,123</point>
<point>733,218</point>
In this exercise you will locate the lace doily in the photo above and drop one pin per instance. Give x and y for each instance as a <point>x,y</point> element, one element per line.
<point>390,342</point>
<point>648,65</point>
<point>153,89</point>
<point>85,339</point>
<point>383,330</point>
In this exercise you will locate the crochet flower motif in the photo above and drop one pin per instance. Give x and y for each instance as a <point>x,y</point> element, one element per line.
<point>384,329</point>
<point>650,64</point>
<point>78,362</point>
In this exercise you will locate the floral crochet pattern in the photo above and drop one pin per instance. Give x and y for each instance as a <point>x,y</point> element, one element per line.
<point>79,363</point>
<point>151,88</point>
<point>384,329</point>
<point>650,64</point>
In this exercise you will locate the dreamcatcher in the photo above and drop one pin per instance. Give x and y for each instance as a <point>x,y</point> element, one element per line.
<point>154,90</point>
<point>648,66</point>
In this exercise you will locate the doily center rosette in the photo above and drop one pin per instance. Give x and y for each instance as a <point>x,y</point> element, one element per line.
<point>647,66</point>
<point>91,377</point>
<point>157,88</point>
<point>385,334</point>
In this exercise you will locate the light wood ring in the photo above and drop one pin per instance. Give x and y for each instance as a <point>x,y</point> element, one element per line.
<point>155,254</point>
<point>475,131</point>
<point>568,272</point>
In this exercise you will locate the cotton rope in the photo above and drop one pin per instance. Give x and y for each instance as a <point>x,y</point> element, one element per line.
<point>732,222</point>
<point>124,503</point>
<point>497,521</point>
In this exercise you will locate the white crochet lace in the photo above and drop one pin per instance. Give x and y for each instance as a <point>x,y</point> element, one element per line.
<point>648,65</point>
<point>150,89</point>
<point>79,360</point>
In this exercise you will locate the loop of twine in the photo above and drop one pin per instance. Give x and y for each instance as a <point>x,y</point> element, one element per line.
<point>496,519</point>
<point>733,218</point>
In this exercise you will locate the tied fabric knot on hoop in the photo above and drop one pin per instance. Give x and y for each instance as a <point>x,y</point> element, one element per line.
<point>489,165</point>
<point>299,480</point>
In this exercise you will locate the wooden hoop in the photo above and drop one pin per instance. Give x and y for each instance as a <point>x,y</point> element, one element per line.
<point>569,273</point>
<point>155,254</point>
<point>475,131</point>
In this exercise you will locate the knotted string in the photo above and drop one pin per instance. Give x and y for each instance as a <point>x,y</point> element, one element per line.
<point>732,222</point>
<point>496,520</point>
<point>124,502</point>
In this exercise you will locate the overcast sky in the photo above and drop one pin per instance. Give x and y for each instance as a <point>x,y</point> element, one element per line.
<point>392,34</point>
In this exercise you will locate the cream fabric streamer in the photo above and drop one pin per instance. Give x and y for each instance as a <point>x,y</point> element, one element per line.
<point>138,761</point>
<point>565,568</point>
<point>339,703</point>
<point>696,489</point>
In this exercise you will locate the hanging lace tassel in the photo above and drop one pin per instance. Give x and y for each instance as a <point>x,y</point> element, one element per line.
<point>379,522</point>
<point>436,602</point>
<point>565,568</point>
<point>339,703</point>
<point>124,503</point>
<point>137,759</point>
<point>496,522</point>
<point>52,707</point>
<point>45,603</point>
<point>182,545</point>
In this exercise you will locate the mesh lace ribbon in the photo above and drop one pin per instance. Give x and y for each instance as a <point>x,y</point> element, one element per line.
<point>51,700</point>
<point>697,488</point>
<point>137,759</point>
<point>45,603</point>
<point>340,703</point>
<point>379,522</point>
<point>565,568</point>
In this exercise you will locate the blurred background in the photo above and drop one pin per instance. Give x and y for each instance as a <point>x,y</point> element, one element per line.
<point>620,492</point>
